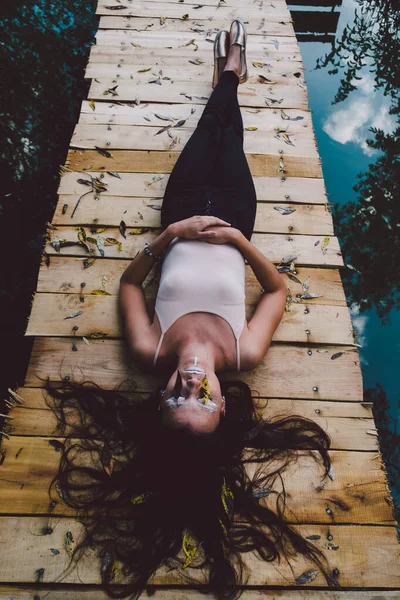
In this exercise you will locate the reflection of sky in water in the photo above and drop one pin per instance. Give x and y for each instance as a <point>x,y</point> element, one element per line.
<point>341,131</point>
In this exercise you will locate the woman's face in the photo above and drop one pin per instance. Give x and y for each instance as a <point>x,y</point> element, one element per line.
<point>188,402</point>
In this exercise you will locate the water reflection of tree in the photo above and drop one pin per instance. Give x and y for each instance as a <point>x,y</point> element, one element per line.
<point>389,437</point>
<point>369,228</point>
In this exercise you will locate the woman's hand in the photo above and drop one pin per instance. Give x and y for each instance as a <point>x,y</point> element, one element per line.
<point>220,235</point>
<point>194,227</point>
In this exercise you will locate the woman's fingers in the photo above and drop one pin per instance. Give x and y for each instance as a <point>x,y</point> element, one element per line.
<point>206,234</point>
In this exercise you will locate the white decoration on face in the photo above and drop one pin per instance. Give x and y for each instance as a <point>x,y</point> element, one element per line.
<point>174,402</point>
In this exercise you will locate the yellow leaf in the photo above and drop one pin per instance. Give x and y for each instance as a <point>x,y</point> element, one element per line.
<point>100,293</point>
<point>136,45</point>
<point>98,335</point>
<point>81,235</point>
<point>100,229</point>
<point>258,65</point>
<point>92,105</point>
<point>162,20</point>
<point>144,70</point>
<point>251,128</point>
<point>325,242</point>
<point>110,242</point>
<point>119,246</point>
<point>189,550</point>
<point>138,230</point>
<point>185,17</point>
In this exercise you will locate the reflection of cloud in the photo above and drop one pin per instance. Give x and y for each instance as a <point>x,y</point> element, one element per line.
<point>360,323</point>
<point>364,108</point>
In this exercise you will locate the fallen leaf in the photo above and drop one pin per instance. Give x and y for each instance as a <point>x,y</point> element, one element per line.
<point>293,278</point>
<point>180,123</point>
<point>104,152</point>
<point>144,70</point>
<point>88,262</point>
<point>100,293</point>
<point>138,230</point>
<point>286,117</point>
<point>98,335</point>
<point>325,243</point>
<point>122,229</point>
<point>75,314</point>
<point>135,45</point>
<point>251,128</point>
<point>284,210</point>
<point>114,174</point>
<point>185,17</point>
<point>306,577</point>
<point>69,544</point>
<point>276,44</point>
<point>86,341</point>
<point>306,284</point>
<point>336,355</point>
<point>92,104</point>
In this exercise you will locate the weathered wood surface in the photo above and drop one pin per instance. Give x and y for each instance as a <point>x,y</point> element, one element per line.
<point>307,248</point>
<point>64,275</point>
<point>140,161</point>
<point>315,374</point>
<point>253,96</point>
<point>71,593</point>
<point>50,312</point>
<point>145,212</point>
<point>145,114</point>
<point>144,138</point>
<point>254,25</point>
<point>352,558</point>
<point>296,190</point>
<point>287,371</point>
<point>339,419</point>
<point>31,463</point>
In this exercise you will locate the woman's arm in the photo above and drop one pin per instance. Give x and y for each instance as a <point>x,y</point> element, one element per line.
<point>271,306</point>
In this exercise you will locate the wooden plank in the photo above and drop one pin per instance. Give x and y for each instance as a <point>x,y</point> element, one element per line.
<point>145,212</point>
<point>351,433</point>
<point>145,138</point>
<point>175,10</point>
<point>65,275</point>
<point>125,59</point>
<point>164,38</point>
<point>49,316</point>
<point>87,593</point>
<point>268,189</point>
<point>162,162</point>
<point>254,26</point>
<point>191,3</point>
<point>352,559</point>
<point>287,371</point>
<point>326,411</point>
<point>253,95</point>
<point>306,247</point>
<point>189,71</point>
<point>31,463</point>
<point>128,54</point>
<point>265,119</point>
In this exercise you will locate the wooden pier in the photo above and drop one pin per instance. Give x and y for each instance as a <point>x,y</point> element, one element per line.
<point>151,68</point>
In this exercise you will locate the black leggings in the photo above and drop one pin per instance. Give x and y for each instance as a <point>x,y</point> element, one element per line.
<point>211,175</point>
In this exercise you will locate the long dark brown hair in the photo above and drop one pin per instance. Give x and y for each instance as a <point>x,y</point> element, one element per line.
<point>149,496</point>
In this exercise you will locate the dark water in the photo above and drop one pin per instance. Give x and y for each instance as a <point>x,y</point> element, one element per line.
<point>43,50</point>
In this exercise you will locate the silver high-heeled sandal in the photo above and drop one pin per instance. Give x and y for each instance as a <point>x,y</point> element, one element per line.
<point>238,35</point>
<point>221,49</point>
